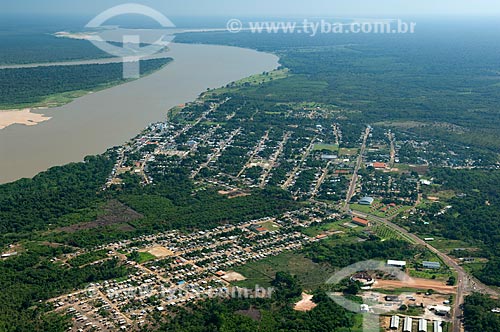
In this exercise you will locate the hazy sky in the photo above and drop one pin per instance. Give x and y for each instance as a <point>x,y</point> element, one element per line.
<point>266,7</point>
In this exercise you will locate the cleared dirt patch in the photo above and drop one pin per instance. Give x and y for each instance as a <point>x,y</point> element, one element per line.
<point>233,276</point>
<point>306,304</point>
<point>416,283</point>
<point>115,213</point>
<point>159,252</point>
<point>233,193</point>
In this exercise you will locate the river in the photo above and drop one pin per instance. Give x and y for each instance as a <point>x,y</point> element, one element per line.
<point>91,124</point>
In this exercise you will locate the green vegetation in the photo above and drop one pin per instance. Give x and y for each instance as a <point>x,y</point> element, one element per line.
<point>326,147</point>
<point>267,314</point>
<point>420,83</point>
<point>22,45</point>
<point>21,87</point>
<point>328,227</point>
<point>31,277</point>
<point>35,204</point>
<point>478,316</point>
<point>472,220</point>
<point>386,233</point>
<point>254,80</point>
<point>88,258</point>
<point>310,275</point>
<point>141,257</point>
<point>345,255</point>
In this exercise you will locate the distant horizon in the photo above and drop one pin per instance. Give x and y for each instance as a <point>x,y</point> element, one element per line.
<point>265,8</point>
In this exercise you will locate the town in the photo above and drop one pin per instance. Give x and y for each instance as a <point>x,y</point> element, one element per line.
<point>354,177</point>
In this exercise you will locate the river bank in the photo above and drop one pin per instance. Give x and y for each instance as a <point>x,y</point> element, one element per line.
<point>93,123</point>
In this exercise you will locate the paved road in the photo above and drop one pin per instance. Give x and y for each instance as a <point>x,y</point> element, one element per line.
<point>393,149</point>
<point>354,181</point>
<point>465,282</point>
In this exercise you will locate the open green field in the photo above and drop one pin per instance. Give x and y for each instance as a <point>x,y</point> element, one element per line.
<point>146,257</point>
<point>254,80</point>
<point>361,208</point>
<point>386,233</point>
<point>310,274</point>
<point>327,147</point>
<point>447,245</point>
<point>270,226</point>
<point>328,227</point>
<point>348,152</point>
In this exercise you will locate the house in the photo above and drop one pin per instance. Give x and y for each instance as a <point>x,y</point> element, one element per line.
<point>361,222</point>
<point>322,236</point>
<point>440,310</point>
<point>377,165</point>
<point>393,263</point>
<point>9,255</point>
<point>431,265</point>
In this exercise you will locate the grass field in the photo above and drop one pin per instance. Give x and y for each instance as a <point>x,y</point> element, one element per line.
<point>270,226</point>
<point>361,208</point>
<point>327,147</point>
<point>446,245</point>
<point>145,257</point>
<point>320,229</point>
<point>386,233</point>
<point>310,274</point>
<point>254,80</point>
<point>348,152</point>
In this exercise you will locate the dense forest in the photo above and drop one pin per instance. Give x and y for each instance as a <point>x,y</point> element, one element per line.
<point>475,214</point>
<point>32,204</point>
<point>344,255</point>
<point>478,316</point>
<point>22,47</point>
<point>424,77</point>
<point>26,86</point>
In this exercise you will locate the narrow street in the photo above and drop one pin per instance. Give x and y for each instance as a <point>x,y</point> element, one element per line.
<point>354,180</point>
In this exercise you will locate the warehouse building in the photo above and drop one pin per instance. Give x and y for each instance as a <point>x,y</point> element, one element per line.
<point>422,325</point>
<point>408,324</point>
<point>366,201</point>
<point>395,323</point>
<point>431,265</point>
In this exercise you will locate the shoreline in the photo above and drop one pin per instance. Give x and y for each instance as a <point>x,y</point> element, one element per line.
<point>31,115</point>
<point>91,124</point>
